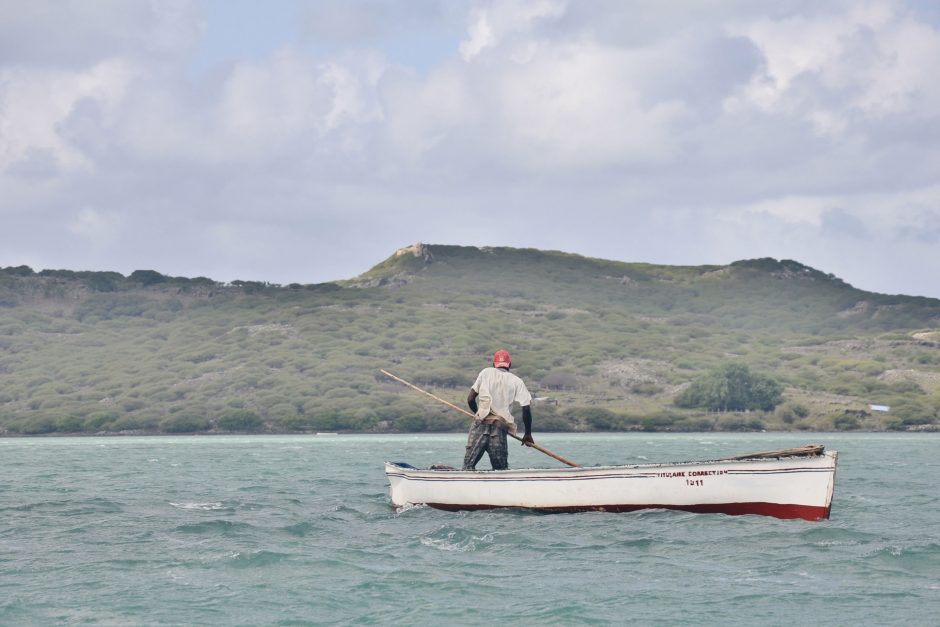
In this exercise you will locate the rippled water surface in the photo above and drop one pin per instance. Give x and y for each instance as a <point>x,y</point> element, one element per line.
<point>298,530</point>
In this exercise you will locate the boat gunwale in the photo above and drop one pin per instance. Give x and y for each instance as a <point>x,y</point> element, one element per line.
<point>411,470</point>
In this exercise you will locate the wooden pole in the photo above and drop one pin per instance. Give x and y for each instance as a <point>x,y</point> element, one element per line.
<point>464,411</point>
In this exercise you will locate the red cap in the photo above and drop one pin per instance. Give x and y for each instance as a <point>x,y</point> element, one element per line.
<point>501,359</point>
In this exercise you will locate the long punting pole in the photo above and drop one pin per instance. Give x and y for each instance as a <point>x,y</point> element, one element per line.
<point>464,411</point>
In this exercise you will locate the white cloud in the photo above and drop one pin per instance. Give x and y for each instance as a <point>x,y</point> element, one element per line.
<point>579,105</point>
<point>480,36</point>
<point>493,23</point>
<point>74,35</point>
<point>422,114</point>
<point>99,229</point>
<point>836,69</point>
<point>535,104</point>
<point>35,104</point>
<point>880,218</point>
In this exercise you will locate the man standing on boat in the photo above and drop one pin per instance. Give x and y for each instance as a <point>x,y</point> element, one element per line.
<point>492,394</point>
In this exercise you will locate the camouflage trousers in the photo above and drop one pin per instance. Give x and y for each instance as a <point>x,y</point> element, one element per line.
<point>486,437</point>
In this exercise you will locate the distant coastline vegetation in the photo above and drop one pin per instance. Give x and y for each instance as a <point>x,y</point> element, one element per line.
<point>758,344</point>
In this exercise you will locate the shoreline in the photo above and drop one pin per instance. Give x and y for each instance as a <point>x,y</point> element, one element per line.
<point>110,434</point>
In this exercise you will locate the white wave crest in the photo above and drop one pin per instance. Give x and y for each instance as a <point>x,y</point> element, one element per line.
<point>200,506</point>
<point>451,544</point>
<point>407,507</point>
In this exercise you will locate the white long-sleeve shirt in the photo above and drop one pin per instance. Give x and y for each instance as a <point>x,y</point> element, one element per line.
<point>497,389</point>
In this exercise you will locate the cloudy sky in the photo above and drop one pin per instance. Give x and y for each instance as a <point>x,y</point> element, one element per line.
<point>304,141</point>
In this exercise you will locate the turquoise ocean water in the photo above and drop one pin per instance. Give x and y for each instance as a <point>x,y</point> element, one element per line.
<point>298,530</point>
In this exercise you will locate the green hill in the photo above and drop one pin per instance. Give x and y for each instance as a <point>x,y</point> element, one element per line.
<point>602,344</point>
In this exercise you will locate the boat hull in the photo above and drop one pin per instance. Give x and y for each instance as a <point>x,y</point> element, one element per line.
<point>788,487</point>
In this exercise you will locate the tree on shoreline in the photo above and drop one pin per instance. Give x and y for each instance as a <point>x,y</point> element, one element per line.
<point>731,387</point>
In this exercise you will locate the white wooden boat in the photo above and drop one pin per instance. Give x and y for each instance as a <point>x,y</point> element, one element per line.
<point>791,483</point>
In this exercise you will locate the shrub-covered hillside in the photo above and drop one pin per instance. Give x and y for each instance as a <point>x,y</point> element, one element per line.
<point>602,344</point>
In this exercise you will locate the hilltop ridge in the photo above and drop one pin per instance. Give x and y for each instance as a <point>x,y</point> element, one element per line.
<point>410,261</point>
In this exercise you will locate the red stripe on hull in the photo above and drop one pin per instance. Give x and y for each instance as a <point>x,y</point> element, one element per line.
<point>777,510</point>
